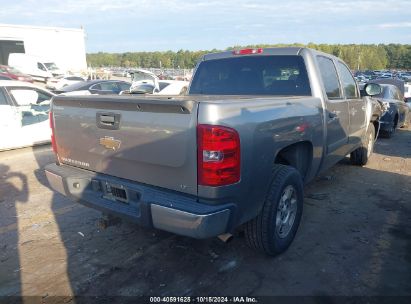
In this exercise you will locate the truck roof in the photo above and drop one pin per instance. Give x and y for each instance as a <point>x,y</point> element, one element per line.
<point>285,51</point>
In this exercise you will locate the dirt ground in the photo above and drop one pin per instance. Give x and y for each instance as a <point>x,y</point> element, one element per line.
<point>354,239</point>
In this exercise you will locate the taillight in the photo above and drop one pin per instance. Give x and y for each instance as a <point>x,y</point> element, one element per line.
<point>248,51</point>
<point>218,155</point>
<point>53,139</point>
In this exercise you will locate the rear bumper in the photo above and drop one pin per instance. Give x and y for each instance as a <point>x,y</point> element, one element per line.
<point>147,206</point>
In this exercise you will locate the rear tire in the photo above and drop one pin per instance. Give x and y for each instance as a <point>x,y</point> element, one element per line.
<point>393,128</point>
<point>360,156</point>
<point>390,132</point>
<point>274,229</point>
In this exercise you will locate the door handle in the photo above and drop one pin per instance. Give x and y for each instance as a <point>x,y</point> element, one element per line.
<point>107,119</point>
<point>110,121</point>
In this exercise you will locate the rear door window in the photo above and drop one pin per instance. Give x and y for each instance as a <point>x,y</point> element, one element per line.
<point>33,104</point>
<point>329,77</point>
<point>108,86</point>
<point>95,87</point>
<point>252,75</point>
<point>348,82</point>
<point>123,86</point>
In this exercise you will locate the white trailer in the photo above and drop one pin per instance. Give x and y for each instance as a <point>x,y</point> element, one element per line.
<point>64,46</point>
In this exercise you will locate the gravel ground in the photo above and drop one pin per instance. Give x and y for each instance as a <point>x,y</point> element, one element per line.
<point>354,240</point>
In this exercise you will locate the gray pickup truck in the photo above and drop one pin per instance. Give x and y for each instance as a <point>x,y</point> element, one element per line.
<point>235,152</point>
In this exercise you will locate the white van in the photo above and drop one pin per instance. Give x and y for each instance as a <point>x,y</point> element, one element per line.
<point>39,69</point>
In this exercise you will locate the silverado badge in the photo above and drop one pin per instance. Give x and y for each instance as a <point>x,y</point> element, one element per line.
<point>110,143</point>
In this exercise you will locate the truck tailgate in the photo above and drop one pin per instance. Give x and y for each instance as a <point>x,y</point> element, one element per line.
<point>150,140</point>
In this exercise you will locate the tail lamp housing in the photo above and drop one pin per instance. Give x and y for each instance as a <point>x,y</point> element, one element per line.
<point>53,139</point>
<point>219,161</point>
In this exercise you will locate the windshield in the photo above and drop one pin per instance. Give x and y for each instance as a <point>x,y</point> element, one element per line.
<point>140,76</point>
<point>252,75</point>
<point>51,66</point>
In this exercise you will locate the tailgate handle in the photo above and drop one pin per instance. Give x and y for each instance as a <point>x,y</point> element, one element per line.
<point>109,121</point>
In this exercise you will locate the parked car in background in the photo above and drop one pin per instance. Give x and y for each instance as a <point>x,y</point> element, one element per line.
<point>38,68</point>
<point>146,82</point>
<point>3,77</point>
<point>166,87</point>
<point>173,87</point>
<point>100,87</point>
<point>24,119</point>
<point>59,82</point>
<point>397,114</point>
<point>14,74</point>
<point>385,76</point>
<point>361,79</point>
<point>119,72</point>
<point>141,77</point>
<point>405,76</point>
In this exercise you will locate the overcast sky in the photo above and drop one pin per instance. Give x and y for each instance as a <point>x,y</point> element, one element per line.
<point>158,25</point>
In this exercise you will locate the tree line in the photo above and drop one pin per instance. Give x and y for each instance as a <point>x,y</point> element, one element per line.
<point>357,56</point>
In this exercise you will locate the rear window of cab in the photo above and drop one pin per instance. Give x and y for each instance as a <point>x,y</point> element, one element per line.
<point>252,75</point>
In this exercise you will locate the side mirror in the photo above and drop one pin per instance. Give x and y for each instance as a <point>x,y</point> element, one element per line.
<point>372,89</point>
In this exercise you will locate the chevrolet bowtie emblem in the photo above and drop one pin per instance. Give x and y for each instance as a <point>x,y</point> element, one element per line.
<point>110,143</point>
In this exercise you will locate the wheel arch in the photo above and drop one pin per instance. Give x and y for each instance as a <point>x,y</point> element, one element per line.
<point>298,155</point>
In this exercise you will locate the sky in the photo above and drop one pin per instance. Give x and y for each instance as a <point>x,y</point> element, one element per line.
<point>160,25</point>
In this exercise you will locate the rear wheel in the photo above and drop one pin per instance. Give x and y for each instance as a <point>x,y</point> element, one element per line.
<point>360,156</point>
<point>273,230</point>
<point>390,132</point>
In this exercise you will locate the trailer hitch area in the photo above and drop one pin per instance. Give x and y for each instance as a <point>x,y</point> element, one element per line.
<point>108,220</point>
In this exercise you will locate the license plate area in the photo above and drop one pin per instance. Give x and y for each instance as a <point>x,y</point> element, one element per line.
<point>116,192</point>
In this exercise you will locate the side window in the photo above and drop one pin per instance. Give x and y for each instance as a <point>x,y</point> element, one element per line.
<point>162,85</point>
<point>348,82</point>
<point>95,87</point>
<point>43,96</point>
<point>31,104</point>
<point>3,100</point>
<point>41,66</point>
<point>108,86</point>
<point>29,96</point>
<point>124,86</point>
<point>329,77</point>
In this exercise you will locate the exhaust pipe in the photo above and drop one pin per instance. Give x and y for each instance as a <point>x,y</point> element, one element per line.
<point>226,237</point>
